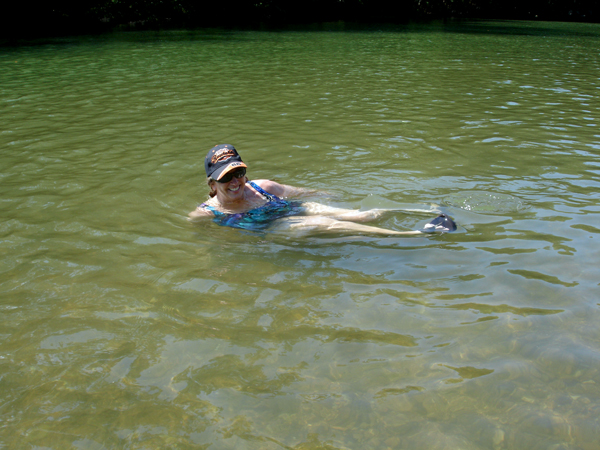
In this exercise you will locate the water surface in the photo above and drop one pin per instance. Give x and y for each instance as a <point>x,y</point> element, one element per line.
<point>123,326</point>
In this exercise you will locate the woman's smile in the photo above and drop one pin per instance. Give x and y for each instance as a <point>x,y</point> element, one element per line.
<point>232,190</point>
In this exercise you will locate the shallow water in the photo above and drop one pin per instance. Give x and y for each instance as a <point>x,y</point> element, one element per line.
<point>123,326</point>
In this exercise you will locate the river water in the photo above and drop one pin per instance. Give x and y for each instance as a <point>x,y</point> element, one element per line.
<point>124,326</point>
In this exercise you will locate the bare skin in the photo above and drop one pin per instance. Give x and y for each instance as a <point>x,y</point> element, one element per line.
<point>236,196</point>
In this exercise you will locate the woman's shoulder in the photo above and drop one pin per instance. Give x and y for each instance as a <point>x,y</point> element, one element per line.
<point>272,187</point>
<point>261,183</point>
<point>284,190</point>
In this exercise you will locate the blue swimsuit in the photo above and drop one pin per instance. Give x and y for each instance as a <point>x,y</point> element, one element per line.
<point>260,218</point>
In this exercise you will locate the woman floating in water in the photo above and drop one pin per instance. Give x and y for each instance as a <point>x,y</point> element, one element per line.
<point>260,204</point>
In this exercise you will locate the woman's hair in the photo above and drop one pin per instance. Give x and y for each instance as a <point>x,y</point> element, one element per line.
<point>213,191</point>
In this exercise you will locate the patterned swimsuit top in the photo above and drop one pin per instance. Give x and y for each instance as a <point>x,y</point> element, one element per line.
<point>257,219</point>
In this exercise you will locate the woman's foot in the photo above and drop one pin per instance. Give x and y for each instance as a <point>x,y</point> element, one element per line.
<point>441,223</point>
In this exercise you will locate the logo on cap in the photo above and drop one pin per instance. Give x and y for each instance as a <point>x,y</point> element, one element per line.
<point>222,155</point>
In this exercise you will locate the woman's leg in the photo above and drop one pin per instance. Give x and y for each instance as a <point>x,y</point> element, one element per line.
<point>354,215</point>
<point>321,224</point>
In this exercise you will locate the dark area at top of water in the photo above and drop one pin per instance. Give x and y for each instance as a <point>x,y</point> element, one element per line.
<point>21,21</point>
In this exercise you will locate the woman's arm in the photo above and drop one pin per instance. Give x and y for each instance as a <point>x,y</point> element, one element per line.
<point>199,214</point>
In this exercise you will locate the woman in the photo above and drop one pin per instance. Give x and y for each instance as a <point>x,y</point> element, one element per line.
<point>256,205</point>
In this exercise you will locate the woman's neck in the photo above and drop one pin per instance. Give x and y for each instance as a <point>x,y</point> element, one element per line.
<point>249,199</point>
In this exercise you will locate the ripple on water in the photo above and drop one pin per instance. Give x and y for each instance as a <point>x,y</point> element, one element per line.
<point>486,202</point>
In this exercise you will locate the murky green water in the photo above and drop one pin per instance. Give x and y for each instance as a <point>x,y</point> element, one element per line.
<point>123,326</point>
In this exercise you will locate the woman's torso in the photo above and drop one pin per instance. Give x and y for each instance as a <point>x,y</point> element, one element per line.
<point>257,218</point>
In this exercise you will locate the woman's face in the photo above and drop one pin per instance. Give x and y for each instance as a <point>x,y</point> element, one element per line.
<point>230,191</point>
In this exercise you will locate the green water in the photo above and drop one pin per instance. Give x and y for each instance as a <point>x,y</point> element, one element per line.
<point>123,326</point>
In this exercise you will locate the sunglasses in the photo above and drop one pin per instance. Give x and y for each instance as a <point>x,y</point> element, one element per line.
<point>239,173</point>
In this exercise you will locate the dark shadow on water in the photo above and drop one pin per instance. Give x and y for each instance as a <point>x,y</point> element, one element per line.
<point>456,26</point>
<point>522,28</point>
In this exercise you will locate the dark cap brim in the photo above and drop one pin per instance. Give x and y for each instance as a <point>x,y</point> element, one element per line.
<point>221,172</point>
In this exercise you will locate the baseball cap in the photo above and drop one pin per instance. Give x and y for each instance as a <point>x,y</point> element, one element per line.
<point>221,159</point>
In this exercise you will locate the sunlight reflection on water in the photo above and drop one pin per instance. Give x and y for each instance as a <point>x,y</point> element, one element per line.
<point>486,202</point>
